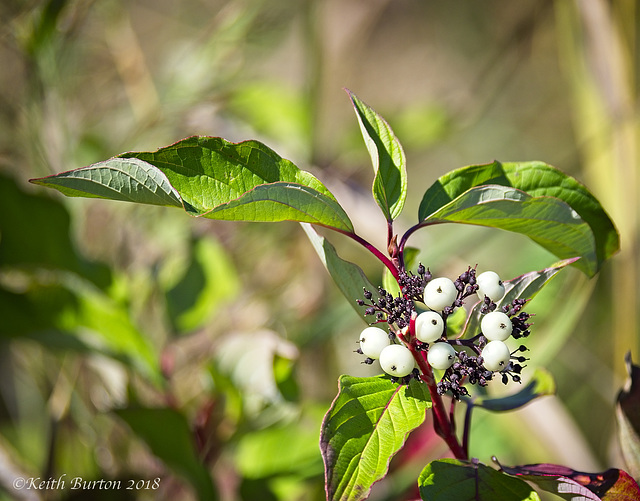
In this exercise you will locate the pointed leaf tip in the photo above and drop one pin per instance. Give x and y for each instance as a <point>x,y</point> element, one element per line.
<point>387,156</point>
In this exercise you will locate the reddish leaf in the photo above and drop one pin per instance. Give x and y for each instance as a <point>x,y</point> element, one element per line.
<point>628,414</point>
<point>610,485</point>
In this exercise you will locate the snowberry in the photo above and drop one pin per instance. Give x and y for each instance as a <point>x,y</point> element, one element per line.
<point>496,356</point>
<point>396,360</point>
<point>372,341</point>
<point>440,293</point>
<point>496,326</point>
<point>441,355</point>
<point>429,326</point>
<point>490,285</point>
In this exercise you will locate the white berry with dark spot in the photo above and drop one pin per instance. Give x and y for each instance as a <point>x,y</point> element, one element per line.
<point>396,360</point>
<point>372,341</point>
<point>496,326</point>
<point>496,356</point>
<point>440,293</point>
<point>441,356</point>
<point>490,285</point>
<point>429,326</point>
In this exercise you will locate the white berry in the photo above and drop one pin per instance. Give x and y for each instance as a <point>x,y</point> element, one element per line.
<point>440,293</point>
<point>372,341</point>
<point>396,360</point>
<point>490,285</point>
<point>496,326</point>
<point>429,326</point>
<point>441,356</point>
<point>496,356</point>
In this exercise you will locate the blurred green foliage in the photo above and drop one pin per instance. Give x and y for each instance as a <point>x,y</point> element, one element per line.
<point>232,334</point>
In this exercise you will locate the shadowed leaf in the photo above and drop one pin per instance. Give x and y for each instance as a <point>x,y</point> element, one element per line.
<point>541,384</point>
<point>628,415</point>
<point>455,480</point>
<point>523,287</point>
<point>348,276</point>
<point>168,435</point>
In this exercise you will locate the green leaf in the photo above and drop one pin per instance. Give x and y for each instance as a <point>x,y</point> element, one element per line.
<point>610,485</point>
<point>114,332</point>
<point>291,449</point>
<point>537,179</point>
<point>168,435</point>
<point>387,156</point>
<point>523,287</point>
<point>548,221</point>
<point>628,417</point>
<point>209,280</point>
<point>455,480</point>
<point>349,277</point>
<point>210,177</point>
<point>368,422</point>
<point>48,221</point>
<point>124,179</point>
<point>541,384</point>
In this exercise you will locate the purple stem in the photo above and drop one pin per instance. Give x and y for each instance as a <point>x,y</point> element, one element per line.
<point>371,248</point>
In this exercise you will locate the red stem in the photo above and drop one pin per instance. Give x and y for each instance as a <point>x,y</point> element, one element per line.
<point>376,252</point>
<point>441,423</point>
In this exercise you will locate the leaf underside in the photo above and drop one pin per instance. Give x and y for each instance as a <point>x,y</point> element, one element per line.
<point>548,221</point>
<point>537,179</point>
<point>366,425</point>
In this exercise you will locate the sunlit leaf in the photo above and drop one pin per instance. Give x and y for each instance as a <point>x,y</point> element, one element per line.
<point>455,480</point>
<point>537,179</point>
<point>209,177</point>
<point>572,485</point>
<point>168,435</point>
<point>387,156</point>
<point>367,423</point>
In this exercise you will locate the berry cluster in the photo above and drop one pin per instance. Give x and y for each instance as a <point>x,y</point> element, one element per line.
<point>474,360</point>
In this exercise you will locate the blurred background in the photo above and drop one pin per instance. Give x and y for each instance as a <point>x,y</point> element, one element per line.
<point>137,343</point>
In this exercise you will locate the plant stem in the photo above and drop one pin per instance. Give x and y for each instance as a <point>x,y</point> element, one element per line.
<point>441,422</point>
<point>411,231</point>
<point>467,428</point>
<point>375,251</point>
